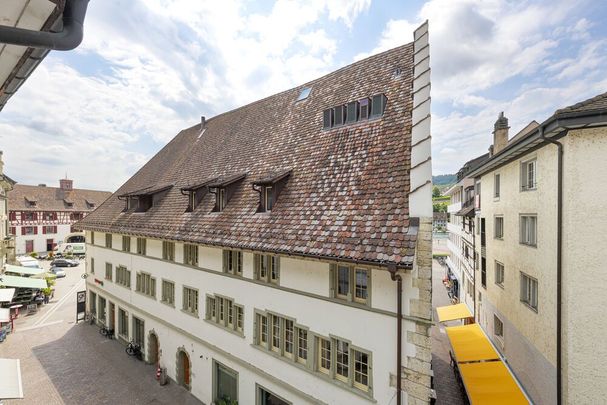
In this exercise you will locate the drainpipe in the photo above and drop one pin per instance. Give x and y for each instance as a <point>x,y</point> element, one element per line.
<point>399,329</point>
<point>559,239</point>
<point>65,40</point>
<point>474,265</point>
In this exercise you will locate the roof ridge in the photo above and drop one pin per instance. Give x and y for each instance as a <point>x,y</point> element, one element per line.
<point>332,73</point>
<point>582,103</point>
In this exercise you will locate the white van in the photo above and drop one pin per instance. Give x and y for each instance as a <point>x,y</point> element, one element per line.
<point>74,243</point>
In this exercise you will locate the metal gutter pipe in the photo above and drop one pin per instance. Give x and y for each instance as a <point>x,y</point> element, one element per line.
<point>67,39</point>
<point>399,329</point>
<point>559,270</point>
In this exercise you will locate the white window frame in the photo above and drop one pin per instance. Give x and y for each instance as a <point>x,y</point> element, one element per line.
<point>496,186</point>
<point>499,274</point>
<point>528,229</point>
<point>500,235</point>
<point>529,174</point>
<point>529,291</point>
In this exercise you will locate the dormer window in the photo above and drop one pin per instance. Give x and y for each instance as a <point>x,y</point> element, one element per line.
<point>269,187</point>
<point>90,204</point>
<point>30,202</point>
<point>68,203</point>
<point>354,111</point>
<point>196,193</point>
<point>144,199</point>
<point>224,187</point>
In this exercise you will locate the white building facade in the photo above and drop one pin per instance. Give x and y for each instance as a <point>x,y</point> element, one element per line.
<point>287,259</point>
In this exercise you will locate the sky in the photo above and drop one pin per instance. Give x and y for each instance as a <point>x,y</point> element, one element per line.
<point>148,68</point>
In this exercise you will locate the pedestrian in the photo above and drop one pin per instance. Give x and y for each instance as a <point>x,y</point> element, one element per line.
<point>46,298</point>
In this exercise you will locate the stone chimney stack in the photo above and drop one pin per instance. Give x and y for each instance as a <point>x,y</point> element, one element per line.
<point>66,184</point>
<point>500,133</point>
<point>202,121</point>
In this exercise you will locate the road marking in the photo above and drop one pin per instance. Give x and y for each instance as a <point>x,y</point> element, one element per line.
<point>38,326</point>
<point>57,305</point>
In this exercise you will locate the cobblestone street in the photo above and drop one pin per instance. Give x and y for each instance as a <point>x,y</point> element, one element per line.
<point>447,389</point>
<point>64,363</point>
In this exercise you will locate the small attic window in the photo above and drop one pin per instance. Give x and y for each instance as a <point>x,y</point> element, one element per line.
<point>364,108</point>
<point>352,112</point>
<point>269,188</point>
<point>305,92</point>
<point>378,105</point>
<point>340,115</point>
<point>327,118</point>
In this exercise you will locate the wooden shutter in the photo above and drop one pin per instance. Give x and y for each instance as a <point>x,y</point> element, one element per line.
<point>43,229</point>
<point>225,261</point>
<point>256,259</point>
<point>277,264</point>
<point>22,230</point>
<point>35,230</point>
<point>332,275</point>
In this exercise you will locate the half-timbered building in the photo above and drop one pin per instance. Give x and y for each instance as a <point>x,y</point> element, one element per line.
<point>41,216</point>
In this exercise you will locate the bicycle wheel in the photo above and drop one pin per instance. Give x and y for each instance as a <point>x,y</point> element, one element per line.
<point>103,331</point>
<point>130,350</point>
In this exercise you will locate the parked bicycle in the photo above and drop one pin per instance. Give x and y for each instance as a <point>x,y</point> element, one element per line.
<point>107,332</point>
<point>89,317</point>
<point>134,349</point>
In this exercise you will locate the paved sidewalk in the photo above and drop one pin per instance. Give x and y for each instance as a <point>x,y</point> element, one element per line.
<point>69,364</point>
<point>447,389</point>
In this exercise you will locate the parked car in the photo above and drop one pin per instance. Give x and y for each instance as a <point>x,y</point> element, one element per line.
<point>58,271</point>
<point>64,263</point>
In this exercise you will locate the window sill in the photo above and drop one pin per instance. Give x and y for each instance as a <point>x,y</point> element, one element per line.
<point>192,314</point>
<point>368,395</point>
<point>528,245</point>
<point>145,295</point>
<point>500,285</point>
<point>168,304</point>
<point>226,328</point>
<point>529,306</point>
<point>128,287</point>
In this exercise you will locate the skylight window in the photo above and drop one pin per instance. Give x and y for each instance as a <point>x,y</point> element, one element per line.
<point>304,93</point>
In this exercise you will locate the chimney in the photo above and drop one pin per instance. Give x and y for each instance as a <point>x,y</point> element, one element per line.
<point>65,184</point>
<point>202,121</point>
<point>500,133</point>
<point>41,185</point>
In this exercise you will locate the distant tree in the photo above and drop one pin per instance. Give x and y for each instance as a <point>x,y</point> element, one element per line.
<point>435,192</point>
<point>439,207</point>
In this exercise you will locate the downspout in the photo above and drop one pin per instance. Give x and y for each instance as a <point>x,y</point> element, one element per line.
<point>67,39</point>
<point>559,271</point>
<point>399,326</point>
<point>474,266</point>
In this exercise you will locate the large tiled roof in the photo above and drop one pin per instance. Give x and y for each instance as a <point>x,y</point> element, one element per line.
<point>597,103</point>
<point>345,197</point>
<point>53,198</point>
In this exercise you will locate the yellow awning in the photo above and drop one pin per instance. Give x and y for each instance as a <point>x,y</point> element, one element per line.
<point>491,383</point>
<point>469,343</point>
<point>453,312</point>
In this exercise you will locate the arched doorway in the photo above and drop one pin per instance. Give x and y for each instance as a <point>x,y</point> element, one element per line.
<point>153,348</point>
<point>183,368</point>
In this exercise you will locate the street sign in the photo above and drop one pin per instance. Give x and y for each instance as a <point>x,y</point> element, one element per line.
<point>80,305</point>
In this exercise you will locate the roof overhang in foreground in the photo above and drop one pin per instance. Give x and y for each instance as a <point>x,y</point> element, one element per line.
<point>10,379</point>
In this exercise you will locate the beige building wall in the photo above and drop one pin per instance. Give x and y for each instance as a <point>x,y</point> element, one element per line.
<point>584,274</point>
<point>529,342</point>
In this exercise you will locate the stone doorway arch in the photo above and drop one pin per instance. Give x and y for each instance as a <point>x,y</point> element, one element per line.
<point>184,368</point>
<point>153,356</point>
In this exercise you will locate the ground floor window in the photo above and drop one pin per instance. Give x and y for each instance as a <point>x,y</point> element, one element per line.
<point>101,310</point>
<point>93,303</point>
<point>123,323</point>
<point>138,331</point>
<point>265,397</point>
<point>226,384</point>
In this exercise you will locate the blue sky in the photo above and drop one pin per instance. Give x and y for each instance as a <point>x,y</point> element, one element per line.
<point>147,69</point>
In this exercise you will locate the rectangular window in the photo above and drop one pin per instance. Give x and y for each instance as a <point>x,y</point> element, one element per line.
<point>342,352</point>
<point>168,251</point>
<point>361,370</point>
<point>108,271</point>
<point>496,186</point>
<point>220,199</point>
<point>126,243</point>
<point>190,254</point>
<point>168,292</point>
<point>267,268</point>
<point>529,291</point>
<point>190,300</point>
<point>93,302</point>
<point>141,246</point>
<point>146,284</point>
<point>529,175</point>
<point>226,385</point>
<point>212,308</point>
<point>302,345</point>
<point>123,276</point>
<point>498,327</point>
<point>324,356</point>
<point>239,318</point>
<point>230,313</point>
<point>232,262</point>
<point>275,333</point>
<point>327,118</point>
<point>92,265</point>
<point>499,274</point>
<point>289,338</point>
<point>220,311</point>
<point>123,323</point>
<point>484,272</point>
<point>528,230</point>
<point>498,232</point>
<point>49,229</point>
<point>138,331</point>
<point>92,238</point>
<point>108,240</point>
<point>351,283</point>
<point>268,201</point>
<point>262,321</point>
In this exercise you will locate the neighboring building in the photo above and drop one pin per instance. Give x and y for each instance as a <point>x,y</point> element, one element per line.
<point>7,241</point>
<point>460,262</point>
<point>41,216</point>
<point>439,222</point>
<point>257,255</point>
<point>522,259</point>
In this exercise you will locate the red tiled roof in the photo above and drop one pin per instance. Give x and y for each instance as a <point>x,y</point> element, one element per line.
<point>596,103</point>
<point>53,198</point>
<point>346,196</point>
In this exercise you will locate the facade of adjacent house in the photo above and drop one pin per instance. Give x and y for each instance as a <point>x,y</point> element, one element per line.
<point>439,222</point>
<point>7,241</point>
<point>41,216</point>
<point>258,256</point>
<point>518,266</point>
<point>462,239</point>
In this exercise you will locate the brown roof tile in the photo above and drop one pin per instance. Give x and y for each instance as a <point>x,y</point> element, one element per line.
<point>346,196</point>
<point>53,198</point>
